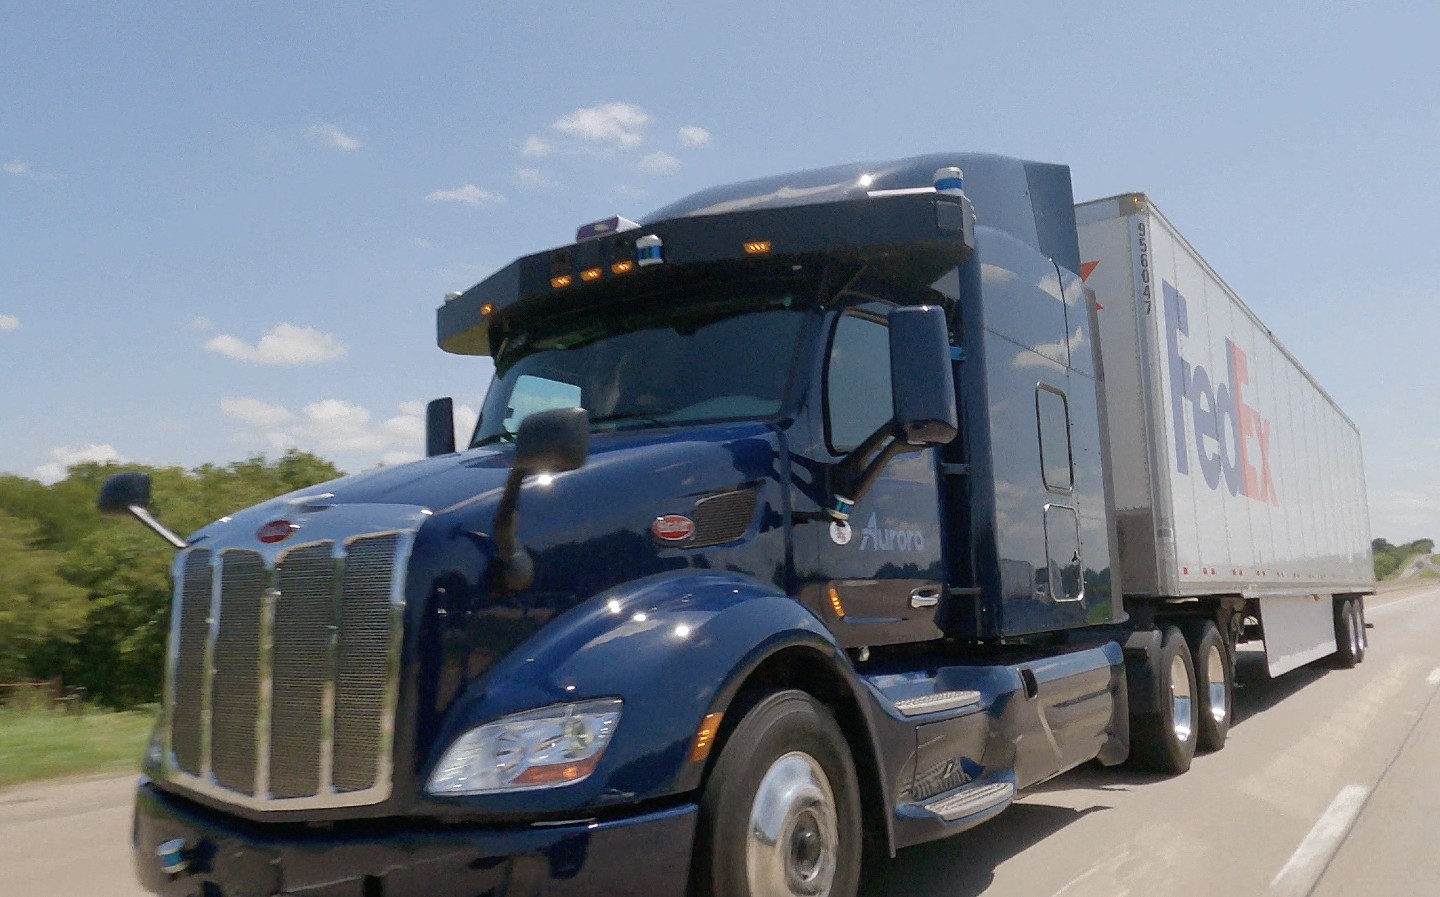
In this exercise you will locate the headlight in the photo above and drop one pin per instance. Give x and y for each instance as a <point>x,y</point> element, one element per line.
<point>542,748</point>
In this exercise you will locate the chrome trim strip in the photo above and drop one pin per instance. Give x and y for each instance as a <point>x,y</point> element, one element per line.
<point>207,687</point>
<point>172,658</point>
<point>265,699</point>
<point>326,779</point>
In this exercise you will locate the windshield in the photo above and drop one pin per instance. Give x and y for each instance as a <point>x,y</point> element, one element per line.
<point>678,360</point>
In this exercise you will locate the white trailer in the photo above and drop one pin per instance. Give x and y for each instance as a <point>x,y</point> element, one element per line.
<point>1234,472</point>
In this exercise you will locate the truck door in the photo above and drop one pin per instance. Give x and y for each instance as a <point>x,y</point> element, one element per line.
<point>879,580</point>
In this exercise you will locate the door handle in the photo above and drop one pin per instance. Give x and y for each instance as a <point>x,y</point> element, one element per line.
<point>925,596</point>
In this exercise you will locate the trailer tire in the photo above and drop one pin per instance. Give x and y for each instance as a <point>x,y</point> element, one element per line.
<point>1214,683</point>
<point>1163,738</point>
<point>1349,634</point>
<point>785,770</point>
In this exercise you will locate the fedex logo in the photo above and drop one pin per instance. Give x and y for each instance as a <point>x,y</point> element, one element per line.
<point>1244,458</point>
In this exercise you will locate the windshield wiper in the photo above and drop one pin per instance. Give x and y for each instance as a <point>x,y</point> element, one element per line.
<point>647,418</point>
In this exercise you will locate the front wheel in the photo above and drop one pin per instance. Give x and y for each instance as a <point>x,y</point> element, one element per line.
<point>780,816</point>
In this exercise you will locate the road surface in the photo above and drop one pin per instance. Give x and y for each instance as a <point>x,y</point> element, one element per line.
<point>1326,788</point>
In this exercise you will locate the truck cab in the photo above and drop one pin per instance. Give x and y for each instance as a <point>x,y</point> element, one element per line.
<point>782,534</point>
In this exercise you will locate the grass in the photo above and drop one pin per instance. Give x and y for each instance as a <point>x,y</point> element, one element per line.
<point>44,744</point>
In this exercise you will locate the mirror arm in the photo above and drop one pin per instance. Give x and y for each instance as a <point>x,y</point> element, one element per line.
<point>514,570</point>
<point>888,454</point>
<point>850,469</point>
<point>141,514</point>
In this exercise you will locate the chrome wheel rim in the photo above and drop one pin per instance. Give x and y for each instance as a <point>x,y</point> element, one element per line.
<point>1180,698</point>
<point>1215,676</point>
<point>793,832</point>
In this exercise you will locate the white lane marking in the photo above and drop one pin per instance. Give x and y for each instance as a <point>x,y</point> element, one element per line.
<point>1309,859</point>
<point>1375,607</point>
<point>1434,677</point>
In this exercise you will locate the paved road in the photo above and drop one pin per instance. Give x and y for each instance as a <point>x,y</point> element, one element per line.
<point>1326,787</point>
<point>1329,791</point>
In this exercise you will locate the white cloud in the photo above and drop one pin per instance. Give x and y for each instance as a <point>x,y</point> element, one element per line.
<point>536,147</point>
<point>614,124</point>
<point>65,456</point>
<point>660,162</point>
<point>9,322</point>
<point>693,135</point>
<point>340,429</point>
<point>466,193</point>
<point>331,135</point>
<point>534,179</point>
<point>284,344</point>
<point>255,412</point>
<point>17,168</point>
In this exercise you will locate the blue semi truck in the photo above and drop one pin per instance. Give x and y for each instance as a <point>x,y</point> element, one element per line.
<point>791,534</point>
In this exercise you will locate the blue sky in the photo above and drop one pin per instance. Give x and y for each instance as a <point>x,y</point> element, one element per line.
<point>224,229</point>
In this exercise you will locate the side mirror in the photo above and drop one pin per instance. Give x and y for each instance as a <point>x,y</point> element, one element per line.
<point>122,491</point>
<point>552,441</point>
<point>129,493</point>
<point>440,427</point>
<point>547,442</point>
<point>921,377</point>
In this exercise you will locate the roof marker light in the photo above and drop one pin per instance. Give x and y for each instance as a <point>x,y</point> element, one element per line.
<point>648,251</point>
<point>950,180</point>
<point>622,267</point>
<point>590,275</point>
<point>756,247</point>
<point>560,282</point>
<point>612,225</point>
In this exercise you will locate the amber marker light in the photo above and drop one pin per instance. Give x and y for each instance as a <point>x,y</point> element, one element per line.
<point>560,282</point>
<point>835,603</point>
<point>590,274</point>
<point>756,247</point>
<point>622,267</point>
<point>486,309</point>
<point>705,737</point>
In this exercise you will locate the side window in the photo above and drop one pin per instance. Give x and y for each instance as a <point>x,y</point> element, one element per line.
<point>857,381</point>
<point>532,394</point>
<point>1052,412</point>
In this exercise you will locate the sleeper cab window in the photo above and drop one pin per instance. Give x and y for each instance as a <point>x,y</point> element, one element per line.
<point>858,399</point>
<point>1052,412</point>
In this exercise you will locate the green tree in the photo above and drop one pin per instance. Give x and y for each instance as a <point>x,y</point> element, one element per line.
<point>38,607</point>
<point>89,599</point>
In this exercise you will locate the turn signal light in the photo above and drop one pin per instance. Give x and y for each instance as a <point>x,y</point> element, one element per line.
<point>705,737</point>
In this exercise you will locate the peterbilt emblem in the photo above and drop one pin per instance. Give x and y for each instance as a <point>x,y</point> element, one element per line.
<point>673,528</point>
<point>276,531</point>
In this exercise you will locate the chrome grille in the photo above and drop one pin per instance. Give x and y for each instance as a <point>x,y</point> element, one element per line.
<point>283,672</point>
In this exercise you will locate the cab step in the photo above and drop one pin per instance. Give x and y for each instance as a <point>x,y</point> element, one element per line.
<point>937,702</point>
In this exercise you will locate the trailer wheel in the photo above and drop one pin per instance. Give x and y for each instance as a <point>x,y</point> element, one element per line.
<point>1163,739</point>
<point>780,816</point>
<point>1214,683</point>
<point>1349,634</point>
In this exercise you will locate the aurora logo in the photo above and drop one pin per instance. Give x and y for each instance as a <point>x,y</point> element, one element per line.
<point>890,539</point>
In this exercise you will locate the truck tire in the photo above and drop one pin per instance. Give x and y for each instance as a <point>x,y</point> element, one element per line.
<point>1163,739</point>
<point>1214,683</point>
<point>780,814</point>
<point>1349,634</point>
